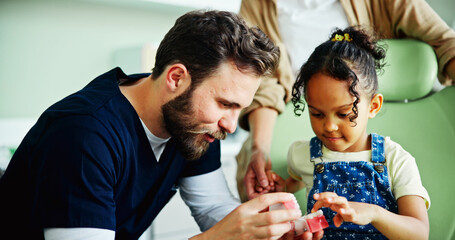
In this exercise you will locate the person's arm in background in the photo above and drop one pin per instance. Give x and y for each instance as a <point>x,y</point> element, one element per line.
<point>450,69</point>
<point>408,19</point>
<point>416,18</point>
<point>261,121</point>
<point>269,101</point>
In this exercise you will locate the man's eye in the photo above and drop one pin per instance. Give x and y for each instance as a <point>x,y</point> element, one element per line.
<point>225,104</point>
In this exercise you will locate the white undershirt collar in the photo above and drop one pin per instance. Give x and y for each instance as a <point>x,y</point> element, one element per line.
<point>157,144</point>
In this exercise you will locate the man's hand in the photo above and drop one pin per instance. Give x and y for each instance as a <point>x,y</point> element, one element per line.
<point>250,221</point>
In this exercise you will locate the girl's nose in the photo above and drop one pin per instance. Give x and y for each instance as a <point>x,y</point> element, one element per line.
<point>330,125</point>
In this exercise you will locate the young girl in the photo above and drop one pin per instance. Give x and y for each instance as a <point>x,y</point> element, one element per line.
<point>369,186</point>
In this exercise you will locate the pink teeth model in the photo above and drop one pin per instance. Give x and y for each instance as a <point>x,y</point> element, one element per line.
<point>312,222</point>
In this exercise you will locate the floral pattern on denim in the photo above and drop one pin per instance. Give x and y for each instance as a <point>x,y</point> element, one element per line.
<point>356,181</point>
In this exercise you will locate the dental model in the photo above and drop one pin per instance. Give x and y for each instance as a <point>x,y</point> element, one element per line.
<point>312,222</point>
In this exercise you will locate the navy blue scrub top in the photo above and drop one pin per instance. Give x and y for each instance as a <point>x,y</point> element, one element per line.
<point>88,163</point>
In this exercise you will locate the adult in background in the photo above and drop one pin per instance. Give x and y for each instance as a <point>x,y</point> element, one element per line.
<point>297,27</point>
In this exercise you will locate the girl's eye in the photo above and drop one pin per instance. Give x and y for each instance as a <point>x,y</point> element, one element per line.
<point>316,115</point>
<point>343,115</point>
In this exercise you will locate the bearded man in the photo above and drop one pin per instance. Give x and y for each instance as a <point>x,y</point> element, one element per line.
<point>102,162</point>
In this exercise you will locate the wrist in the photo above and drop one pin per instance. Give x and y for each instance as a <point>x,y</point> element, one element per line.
<point>377,214</point>
<point>260,147</point>
<point>257,152</point>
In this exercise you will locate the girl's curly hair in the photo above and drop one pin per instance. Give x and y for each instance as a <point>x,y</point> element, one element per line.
<point>355,61</point>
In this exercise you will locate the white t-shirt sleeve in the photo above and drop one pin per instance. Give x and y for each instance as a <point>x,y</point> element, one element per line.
<point>208,196</point>
<point>300,167</point>
<point>404,173</point>
<point>292,163</point>
<point>78,234</point>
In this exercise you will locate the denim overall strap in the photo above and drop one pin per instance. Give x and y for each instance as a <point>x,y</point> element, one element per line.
<point>315,148</point>
<point>356,181</point>
<point>377,148</point>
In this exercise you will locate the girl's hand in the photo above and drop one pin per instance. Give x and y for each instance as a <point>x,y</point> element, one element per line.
<point>355,212</point>
<point>276,184</point>
<point>276,181</point>
<point>259,190</point>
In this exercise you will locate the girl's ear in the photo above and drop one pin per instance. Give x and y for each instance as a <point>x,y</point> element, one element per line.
<point>375,105</point>
<point>177,77</point>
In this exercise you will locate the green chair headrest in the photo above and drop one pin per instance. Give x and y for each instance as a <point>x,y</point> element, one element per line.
<point>410,71</point>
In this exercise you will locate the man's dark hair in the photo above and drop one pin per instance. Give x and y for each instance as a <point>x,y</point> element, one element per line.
<point>202,40</point>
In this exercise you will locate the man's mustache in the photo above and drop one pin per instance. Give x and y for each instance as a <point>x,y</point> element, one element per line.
<point>220,135</point>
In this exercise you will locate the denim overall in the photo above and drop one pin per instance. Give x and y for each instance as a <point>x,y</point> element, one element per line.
<point>356,181</point>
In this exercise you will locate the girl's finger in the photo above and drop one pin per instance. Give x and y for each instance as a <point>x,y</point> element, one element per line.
<point>323,195</point>
<point>338,202</point>
<point>330,200</point>
<point>337,220</point>
<point>322,201</point>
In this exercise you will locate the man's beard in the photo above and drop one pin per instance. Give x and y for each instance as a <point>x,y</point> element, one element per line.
<point>178,117</point>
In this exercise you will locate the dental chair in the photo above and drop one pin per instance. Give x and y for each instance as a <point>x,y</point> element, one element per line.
<point>418,118</point>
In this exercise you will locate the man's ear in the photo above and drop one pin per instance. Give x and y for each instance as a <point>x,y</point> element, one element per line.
<point>375,105</point>
<point>177,77</point>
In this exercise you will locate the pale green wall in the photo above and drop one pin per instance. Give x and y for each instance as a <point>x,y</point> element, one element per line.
<point>445,9</point>
<point>50,49</point>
